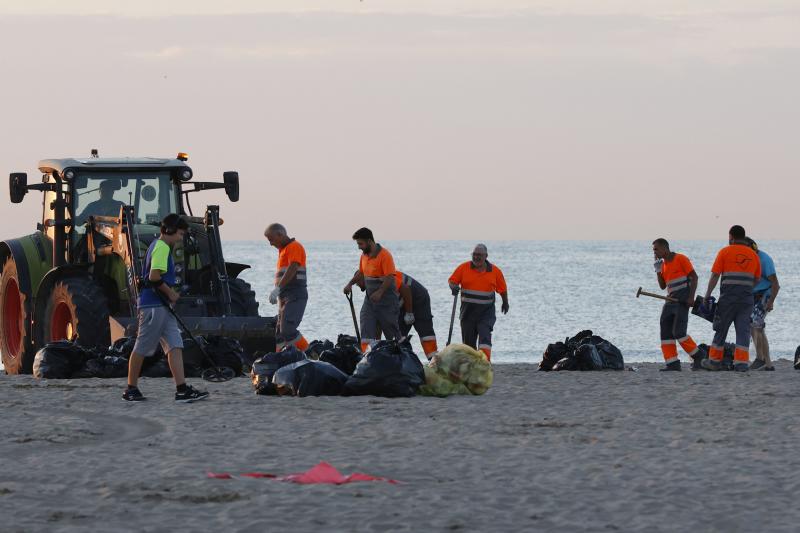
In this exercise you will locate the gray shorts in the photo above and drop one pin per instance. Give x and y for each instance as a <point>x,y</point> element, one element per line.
<point>156,324</point>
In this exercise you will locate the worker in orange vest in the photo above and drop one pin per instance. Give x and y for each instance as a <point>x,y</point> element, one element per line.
<point>290,292</point>
<point>676,274</point>
<point>376,272</point>
<point>479,280</point>
<point>739,269</point>
<point>415,310</point>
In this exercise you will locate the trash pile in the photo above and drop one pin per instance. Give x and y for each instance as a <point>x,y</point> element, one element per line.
<point>390,369</point>
<point>584,351</point>
<point>69,360</point>
<point>702,353</point>
<point>457,369</point>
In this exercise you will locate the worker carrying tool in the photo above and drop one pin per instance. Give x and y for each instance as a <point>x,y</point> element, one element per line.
<point>376,273</point>
<point>479,280</point>
<point>415,310</point>
<point>739,269</point>
<point>290,292</point>
<point>676,274</point>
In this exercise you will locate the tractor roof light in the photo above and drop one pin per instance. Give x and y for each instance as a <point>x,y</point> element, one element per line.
<point>69,174</point>
<point>183,156</point>
<point>185,174</point>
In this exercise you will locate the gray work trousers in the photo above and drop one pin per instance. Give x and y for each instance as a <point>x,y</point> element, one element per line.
<point>737,314</point>
<point>291,308</point>
<point>674,321</point>
<point>477,323</point>
<point>382,314</point>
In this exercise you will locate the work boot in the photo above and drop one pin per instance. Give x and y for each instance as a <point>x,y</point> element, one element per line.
<point>673,366</point>
<point>709,364</point>
<point>769,369</point>
<point>758,364</point>
<point>740,367</point>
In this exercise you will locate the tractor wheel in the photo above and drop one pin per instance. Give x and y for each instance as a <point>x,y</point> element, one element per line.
<point>14,342</point>
<point>76,310</point>
<point>243,298</point>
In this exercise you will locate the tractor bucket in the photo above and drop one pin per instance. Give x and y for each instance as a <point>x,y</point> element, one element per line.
<point>255,333</point>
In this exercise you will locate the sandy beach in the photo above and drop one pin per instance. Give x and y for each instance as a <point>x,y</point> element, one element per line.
<point>592,451</point>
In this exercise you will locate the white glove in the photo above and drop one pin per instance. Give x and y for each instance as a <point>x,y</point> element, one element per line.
<point>408,318</point>
<point>657,265</point>
<point>273,296</point>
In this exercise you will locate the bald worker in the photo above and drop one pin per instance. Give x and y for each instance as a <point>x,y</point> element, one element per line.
<point>290,292</point>
<point>479,280</point>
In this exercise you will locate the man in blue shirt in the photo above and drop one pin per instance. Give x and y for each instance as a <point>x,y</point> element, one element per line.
<point>764,294</point>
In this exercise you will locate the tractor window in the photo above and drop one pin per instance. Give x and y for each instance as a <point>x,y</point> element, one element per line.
<point>103,194</point>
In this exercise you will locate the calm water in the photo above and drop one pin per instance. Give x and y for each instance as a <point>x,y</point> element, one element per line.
<point>556,288</point>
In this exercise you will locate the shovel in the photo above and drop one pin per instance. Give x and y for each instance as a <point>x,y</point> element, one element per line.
<point>355,320</point>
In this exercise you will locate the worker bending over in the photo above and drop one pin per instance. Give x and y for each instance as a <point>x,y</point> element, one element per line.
<point>739,269</point>
<point>376,272</point>
<point>415,310</point>
<point>291,290</point>
<point>478,281</point>
<point>676,274</point>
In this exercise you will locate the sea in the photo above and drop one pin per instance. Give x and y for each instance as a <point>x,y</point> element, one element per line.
<point>556,289</point>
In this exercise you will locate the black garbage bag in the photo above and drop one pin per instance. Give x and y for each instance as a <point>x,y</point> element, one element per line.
<point>107,366</point>
<point>309,378</point>
<point>609,354</point>
<point>345,358</point>
<point>697,358</point>
<point>552,355</point>
<point>264,368</point>
<point>390,369</point>
<point>123,347</point>
<point>194,362</point>
<point>797,358</point>
<point>156,366</point>
<point>567,363</point>
<point>226,352</point>
<point>588,357</point>
<point>59,360</point>
<point>346,340</point>
<point>315,348</point>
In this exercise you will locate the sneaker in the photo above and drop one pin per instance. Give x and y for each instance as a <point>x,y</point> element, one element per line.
<point>708,364</point>
<point>741,367</point>
<point>758,364</point>
<point>674,366</point>
<point>133,395</point>
<point>190,395</point>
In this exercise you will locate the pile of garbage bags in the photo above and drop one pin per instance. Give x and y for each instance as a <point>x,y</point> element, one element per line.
<point>584,351</point>
<point>457,369</point>
<point>69,360</point>
<point>389,369</point>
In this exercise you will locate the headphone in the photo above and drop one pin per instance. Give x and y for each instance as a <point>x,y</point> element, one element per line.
<point>169,225</point>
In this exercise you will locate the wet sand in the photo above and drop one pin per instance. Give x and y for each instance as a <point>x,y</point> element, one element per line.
<point>594,451</point>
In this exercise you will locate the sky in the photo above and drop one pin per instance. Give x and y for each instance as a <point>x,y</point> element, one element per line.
<point>469,119</point>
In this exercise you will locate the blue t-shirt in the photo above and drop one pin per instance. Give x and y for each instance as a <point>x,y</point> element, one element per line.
<point>764,286</point>
<point>159,257</point>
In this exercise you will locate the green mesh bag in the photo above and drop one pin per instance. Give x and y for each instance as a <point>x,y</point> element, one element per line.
<point>458,369</point>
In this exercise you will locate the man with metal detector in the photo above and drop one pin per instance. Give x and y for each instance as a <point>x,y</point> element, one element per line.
<point>415,310</point>
<point>739,269</point>
<point>376,272</point>
<point>479,280</point>
<point>290,290</point>
<point>676,274</point>
<point>156,322</point>
<point>764,294</point>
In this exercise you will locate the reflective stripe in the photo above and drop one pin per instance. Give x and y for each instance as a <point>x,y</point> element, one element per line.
<point>423,339</point>
<point>671,360</point>
<point>484,346</point>
<point>745,348</point>
<point>668,341</point>
<point>748,283</point>
<point>677,281</point>
<point>694,351</point>
<point>477,297</point>
<point>474,301</point>
<point>739,274</point>
<point>686,338</point>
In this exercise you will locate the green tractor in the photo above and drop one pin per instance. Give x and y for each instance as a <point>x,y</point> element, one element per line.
<point>77,276</point>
